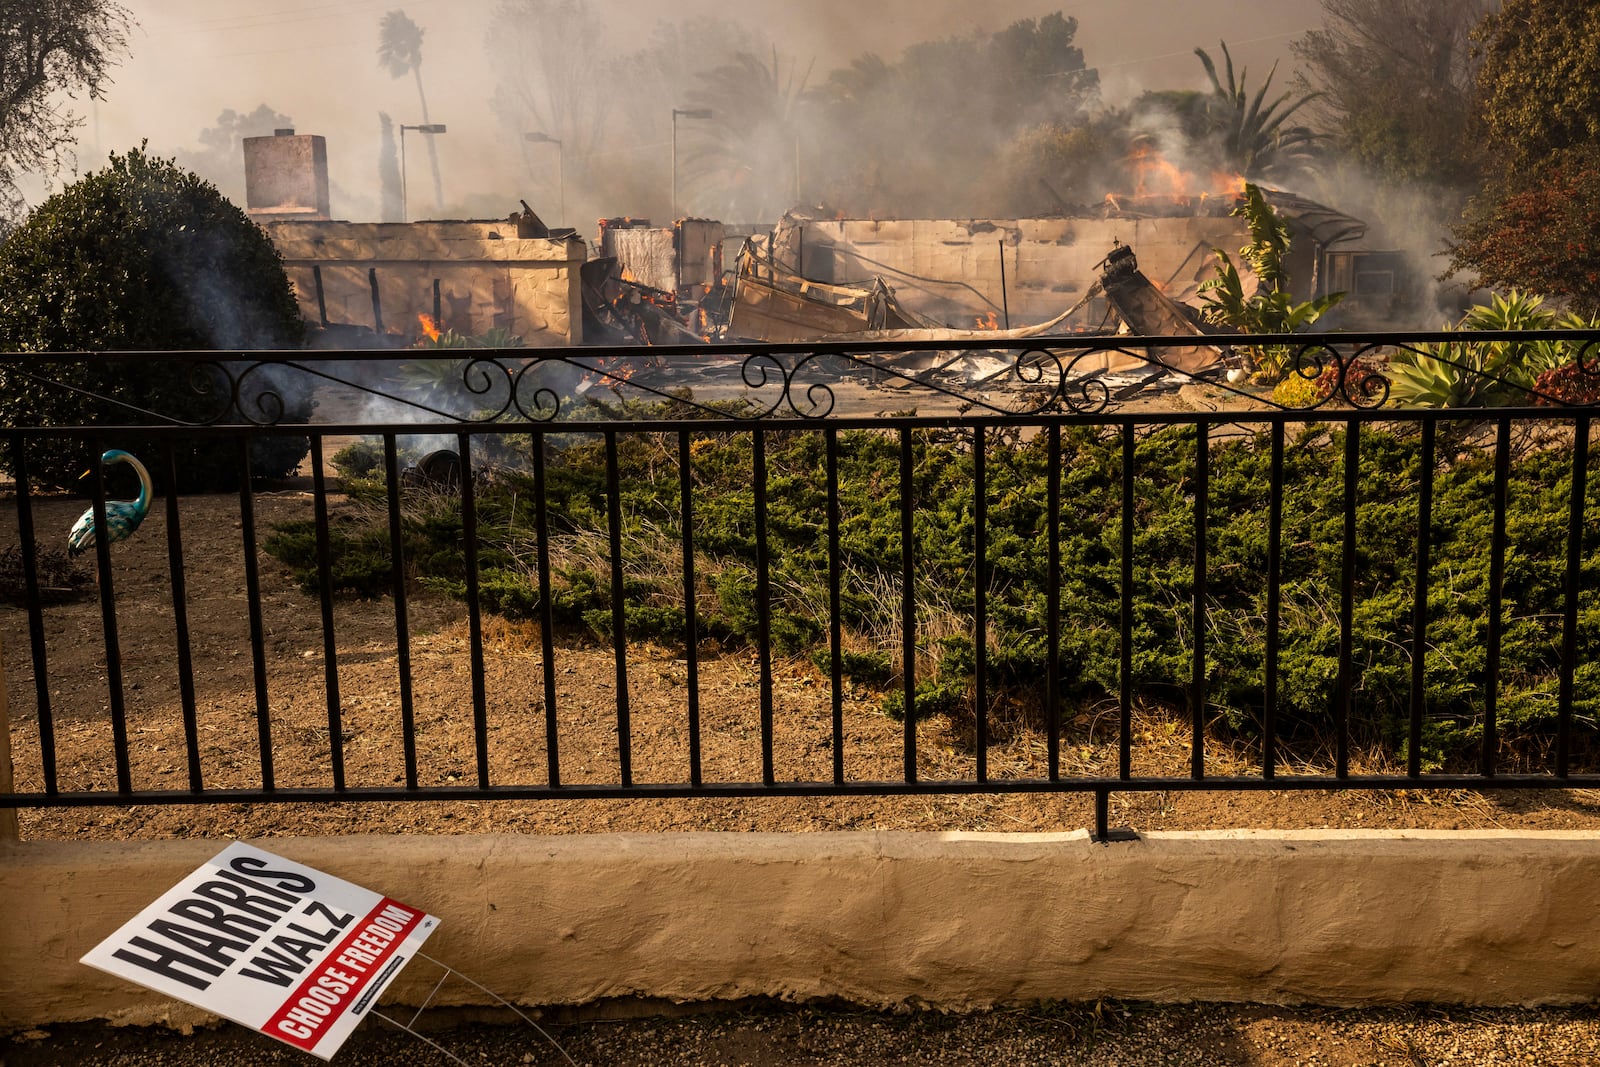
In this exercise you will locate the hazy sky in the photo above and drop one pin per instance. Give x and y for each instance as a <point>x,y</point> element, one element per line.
<point>316,62</point>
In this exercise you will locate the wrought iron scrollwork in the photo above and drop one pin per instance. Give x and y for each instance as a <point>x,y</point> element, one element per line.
<point>212,384</point>
<point>534,401</point>
<point>962,378</point>
<point>254,393</point>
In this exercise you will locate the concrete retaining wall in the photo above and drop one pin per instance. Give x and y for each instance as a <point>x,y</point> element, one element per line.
<point>955,921</point>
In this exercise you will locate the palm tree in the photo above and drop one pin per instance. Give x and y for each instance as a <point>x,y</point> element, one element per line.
<point>747,160</point>
<point>1256,140</point>
<point>400,53</point>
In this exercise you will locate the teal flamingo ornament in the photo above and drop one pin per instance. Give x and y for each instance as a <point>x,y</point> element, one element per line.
<point>122,516</point>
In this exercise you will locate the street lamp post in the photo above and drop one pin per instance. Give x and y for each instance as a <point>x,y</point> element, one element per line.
<point>561,167</point>
<point>429,128</point>
<point>688,113</point>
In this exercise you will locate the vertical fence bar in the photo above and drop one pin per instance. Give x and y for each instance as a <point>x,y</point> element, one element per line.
<point>763,603</point>
<point>619,615</point>
<point>469,549</point>
<point>1497,579</point>
<point>108,616</point>
<point>36,639</point>
<point>1419,607</point>
<point>835,608</point>
<point>980,599</point>
<point>908,606</point>
<point>1125,664</point>
<point>691,626</point>
<point>180,622</point>
<point>1573,588</point>
<point>547,620</point>
<point>1269,706</point>
<point>402,619</point>
<point>1052,608</point>
<point>330,645</point>
<point>252,592</point>
<point>1197,681</point>
<point>1347,597</point>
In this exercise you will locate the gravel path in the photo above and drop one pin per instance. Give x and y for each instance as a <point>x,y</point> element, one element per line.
<point>1104,1035</point>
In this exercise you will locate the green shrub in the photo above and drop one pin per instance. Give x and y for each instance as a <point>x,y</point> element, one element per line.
<point>143,255</point>
<point>1088,662</point>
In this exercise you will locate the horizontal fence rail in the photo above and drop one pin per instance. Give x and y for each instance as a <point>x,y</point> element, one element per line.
<point>1059,524</point>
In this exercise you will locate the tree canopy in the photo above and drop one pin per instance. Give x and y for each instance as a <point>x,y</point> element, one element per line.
<point>1537,224</point>
<point>1252,135</point>
<point>64,47</point>
<point>928,134</point>
<point>1541,235</point>
<point>1539,86</point>
<point>1394,85</point>
<point>400,53</point>
<point>747,166</point>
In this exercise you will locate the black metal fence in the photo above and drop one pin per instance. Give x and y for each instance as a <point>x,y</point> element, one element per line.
<point>1068,403</point>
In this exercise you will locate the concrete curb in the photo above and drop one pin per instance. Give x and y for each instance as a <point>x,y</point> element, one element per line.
<point>953,921</point>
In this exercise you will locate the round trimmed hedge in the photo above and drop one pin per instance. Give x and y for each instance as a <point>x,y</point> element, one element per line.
<point>142,255</point>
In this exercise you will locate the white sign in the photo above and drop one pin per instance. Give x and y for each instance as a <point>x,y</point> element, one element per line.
<point>271,944</point>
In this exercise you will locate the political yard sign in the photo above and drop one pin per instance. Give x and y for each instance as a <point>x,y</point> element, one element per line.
<point>271,944</point>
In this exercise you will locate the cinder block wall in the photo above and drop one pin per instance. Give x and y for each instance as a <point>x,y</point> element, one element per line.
<point>953,921</point>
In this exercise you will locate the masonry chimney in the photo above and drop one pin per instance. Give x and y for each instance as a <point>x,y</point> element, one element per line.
<point>286,177</point>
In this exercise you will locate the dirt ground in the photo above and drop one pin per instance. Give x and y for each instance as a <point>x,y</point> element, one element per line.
<point>297,685</point>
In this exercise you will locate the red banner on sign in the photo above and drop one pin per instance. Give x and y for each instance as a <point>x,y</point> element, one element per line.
<point>365,956</point>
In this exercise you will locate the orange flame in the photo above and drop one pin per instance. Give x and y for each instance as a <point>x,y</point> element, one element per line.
<point>1153,173</point>
<point>430,329</point>
<point>1224,183</point>
<point>991,321</point>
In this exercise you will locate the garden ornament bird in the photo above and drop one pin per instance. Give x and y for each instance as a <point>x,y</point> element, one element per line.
<point>122,516</point>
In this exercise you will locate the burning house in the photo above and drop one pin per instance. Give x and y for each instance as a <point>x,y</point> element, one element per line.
<point>996,273</point>
<point>673,259</point>
<point>470,277</point>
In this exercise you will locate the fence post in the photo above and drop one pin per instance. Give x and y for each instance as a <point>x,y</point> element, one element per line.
<point>8,816</point>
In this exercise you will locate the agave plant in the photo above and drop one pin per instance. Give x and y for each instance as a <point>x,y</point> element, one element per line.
<point>1465,373</point>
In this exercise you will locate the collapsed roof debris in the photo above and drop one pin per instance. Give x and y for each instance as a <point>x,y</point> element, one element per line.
<point>773,304</point>
<point>1148,312</point>
<point>839,280</point>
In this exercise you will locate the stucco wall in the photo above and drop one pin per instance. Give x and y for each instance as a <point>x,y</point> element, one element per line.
<point>488,276</point>
<point>950,920</point>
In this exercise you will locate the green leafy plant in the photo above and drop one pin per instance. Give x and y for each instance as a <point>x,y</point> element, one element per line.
<point>1467,373</point>
<point>1270,308</point>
